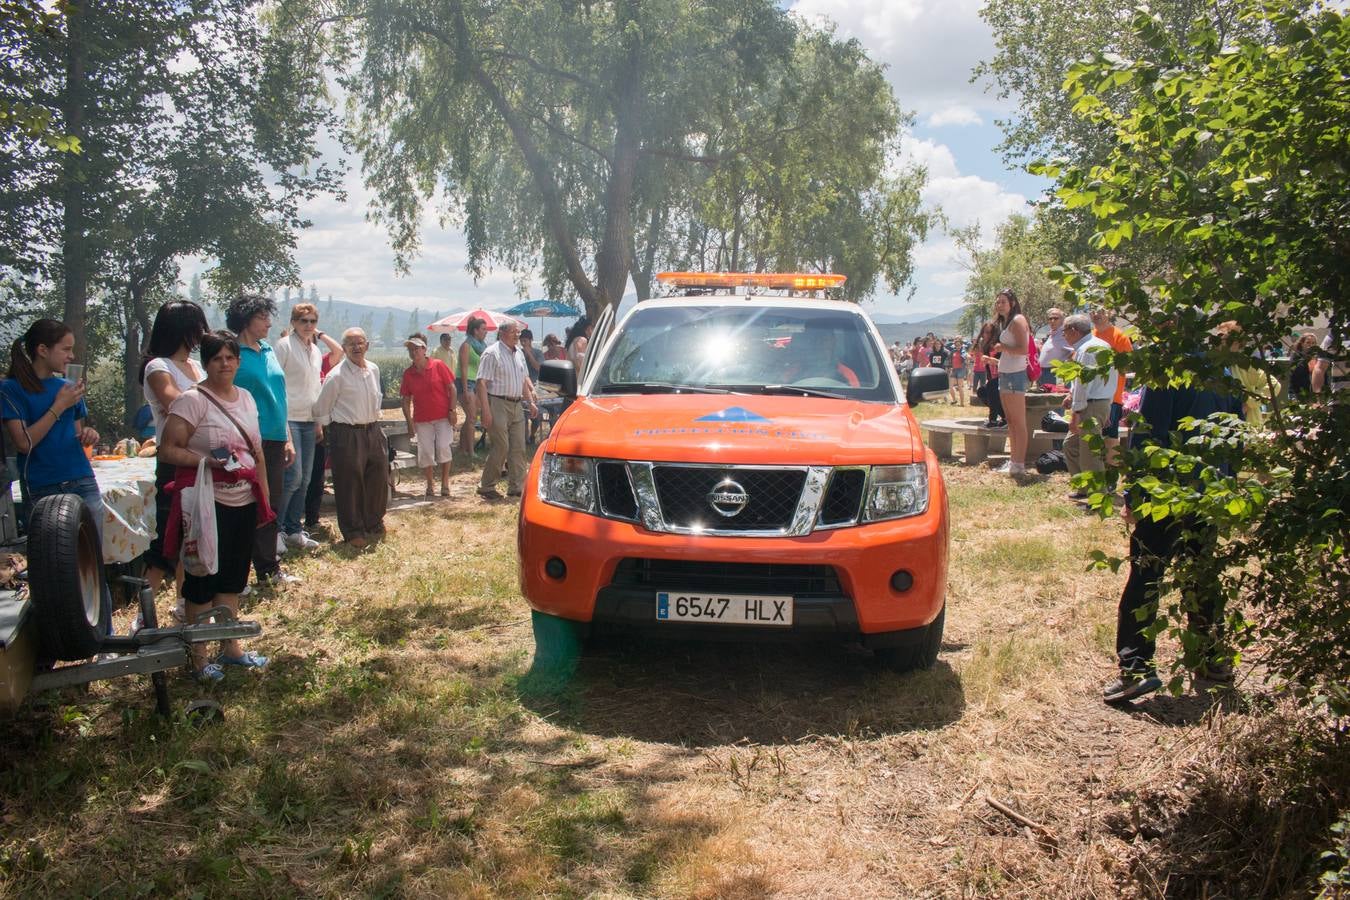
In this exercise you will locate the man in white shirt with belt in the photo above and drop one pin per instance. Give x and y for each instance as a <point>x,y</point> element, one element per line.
<point>1089,401</point>
<point>349,411</point>
<point>504,390</point>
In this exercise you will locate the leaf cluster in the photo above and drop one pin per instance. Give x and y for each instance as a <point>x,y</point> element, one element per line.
<point>585,142</point>
<point>1231,154</point>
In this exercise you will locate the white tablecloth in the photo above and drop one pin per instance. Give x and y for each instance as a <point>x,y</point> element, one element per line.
<point>128,489</point>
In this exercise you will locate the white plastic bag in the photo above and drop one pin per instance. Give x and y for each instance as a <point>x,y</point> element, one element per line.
<point>198,503</point>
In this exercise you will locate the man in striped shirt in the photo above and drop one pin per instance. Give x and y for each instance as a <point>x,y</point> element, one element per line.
<point>504,392</point>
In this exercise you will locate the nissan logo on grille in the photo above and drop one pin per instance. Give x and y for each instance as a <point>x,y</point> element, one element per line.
<point>728,498</point>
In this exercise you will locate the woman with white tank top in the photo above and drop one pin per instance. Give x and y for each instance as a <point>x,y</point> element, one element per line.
<point>166,372</point>
<point>1013,342</point>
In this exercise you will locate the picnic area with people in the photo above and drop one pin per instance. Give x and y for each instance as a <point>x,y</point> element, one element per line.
<point>715,488</point>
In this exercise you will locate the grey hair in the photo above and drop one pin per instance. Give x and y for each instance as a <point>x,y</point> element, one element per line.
<point>1079,323</point>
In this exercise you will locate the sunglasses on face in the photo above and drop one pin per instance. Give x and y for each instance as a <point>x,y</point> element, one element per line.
<point>308,321</point>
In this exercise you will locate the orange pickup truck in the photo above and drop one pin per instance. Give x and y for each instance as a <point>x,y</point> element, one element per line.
<point>738,465</point>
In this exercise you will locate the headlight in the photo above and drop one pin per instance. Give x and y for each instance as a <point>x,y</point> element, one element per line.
<point>896,492</point>
<point>568,481</point>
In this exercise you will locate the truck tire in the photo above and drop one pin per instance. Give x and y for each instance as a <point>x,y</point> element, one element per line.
<point>65,578</point>
<point>918,654</point>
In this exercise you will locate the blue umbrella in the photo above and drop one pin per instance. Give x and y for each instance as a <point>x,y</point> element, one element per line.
<point>542,309</point>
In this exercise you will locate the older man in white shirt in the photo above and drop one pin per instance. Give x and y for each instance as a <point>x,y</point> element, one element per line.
<point>1089,401</point>
<point>349,411</point>
<point>504,390</point>
<point>1055,347</point>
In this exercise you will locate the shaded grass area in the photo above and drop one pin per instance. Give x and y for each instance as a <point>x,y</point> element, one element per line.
<point>393,749</point>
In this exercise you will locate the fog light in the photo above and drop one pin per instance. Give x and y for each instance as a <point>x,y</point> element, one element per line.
<point>902,581</point>
<point>555,568</point>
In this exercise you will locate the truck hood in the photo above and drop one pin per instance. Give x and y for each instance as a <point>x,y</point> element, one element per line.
<point>738,428</point>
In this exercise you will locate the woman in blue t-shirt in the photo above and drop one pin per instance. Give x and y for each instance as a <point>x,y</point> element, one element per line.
<point>44,417</point>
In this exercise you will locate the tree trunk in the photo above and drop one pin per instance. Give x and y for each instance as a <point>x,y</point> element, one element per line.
<point>74,253</point>
<point>642,270</point>
<point>132,398</point>
<point>613,259</point>
<point>138,325</point>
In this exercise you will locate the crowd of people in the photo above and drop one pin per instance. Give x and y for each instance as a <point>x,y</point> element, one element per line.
<point>1004,361</point>
<point>269,421</point>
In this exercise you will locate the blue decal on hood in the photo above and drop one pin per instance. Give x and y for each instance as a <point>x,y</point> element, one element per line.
<point>733,414</point>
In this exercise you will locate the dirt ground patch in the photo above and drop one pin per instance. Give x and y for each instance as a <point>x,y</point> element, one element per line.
<point>389,749</point>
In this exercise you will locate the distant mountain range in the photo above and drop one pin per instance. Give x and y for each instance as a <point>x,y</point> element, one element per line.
<point>893,328</point>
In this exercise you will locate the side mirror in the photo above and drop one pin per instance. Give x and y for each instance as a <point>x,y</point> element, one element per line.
<point>926,384</point>
<point>561,374</point>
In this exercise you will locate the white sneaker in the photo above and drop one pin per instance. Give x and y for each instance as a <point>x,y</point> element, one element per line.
<point>301,541</point>
<point>281,544</point>
<point>1005,469</point>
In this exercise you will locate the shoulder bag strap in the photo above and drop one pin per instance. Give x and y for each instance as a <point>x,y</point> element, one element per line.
<point>257,452</point>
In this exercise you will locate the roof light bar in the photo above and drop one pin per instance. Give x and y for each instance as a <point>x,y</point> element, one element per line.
<point>796,281</point>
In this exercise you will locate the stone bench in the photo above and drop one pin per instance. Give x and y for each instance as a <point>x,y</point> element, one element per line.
<point>979,440</point>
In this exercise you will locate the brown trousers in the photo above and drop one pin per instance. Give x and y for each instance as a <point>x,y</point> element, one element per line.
<point>360,459</point>
<point>1076,452</point>
<point>506,444</point>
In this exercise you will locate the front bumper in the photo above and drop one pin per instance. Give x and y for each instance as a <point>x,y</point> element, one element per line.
<point>861,602</point>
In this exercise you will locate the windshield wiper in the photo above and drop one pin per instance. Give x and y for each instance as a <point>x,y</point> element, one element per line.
<point>658,387</point>
<point>801,391</point>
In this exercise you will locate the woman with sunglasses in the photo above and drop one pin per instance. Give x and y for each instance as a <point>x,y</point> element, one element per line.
<point>1055,346</point>
<point>300,352</point>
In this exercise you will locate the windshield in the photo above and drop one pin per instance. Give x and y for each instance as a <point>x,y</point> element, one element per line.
<point>745,349</point>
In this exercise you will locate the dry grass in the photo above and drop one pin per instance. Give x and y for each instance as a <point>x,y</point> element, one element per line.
<point>388,751</point>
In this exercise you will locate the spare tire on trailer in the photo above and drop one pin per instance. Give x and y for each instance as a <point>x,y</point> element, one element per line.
<point>65,578</point>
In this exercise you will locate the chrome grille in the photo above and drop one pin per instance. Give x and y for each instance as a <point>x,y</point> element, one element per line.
<point>773,496</point>
<point>843,497</point>
<point>616,493</point>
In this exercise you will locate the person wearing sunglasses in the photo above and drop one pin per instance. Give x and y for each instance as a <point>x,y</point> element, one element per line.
<point>1055,347</point>
<point>301,354</point>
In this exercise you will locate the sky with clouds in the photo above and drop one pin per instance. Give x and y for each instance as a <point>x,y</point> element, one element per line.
<point>929,48</point>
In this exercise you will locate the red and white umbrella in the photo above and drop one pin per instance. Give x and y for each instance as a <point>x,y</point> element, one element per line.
<point>460,321</point>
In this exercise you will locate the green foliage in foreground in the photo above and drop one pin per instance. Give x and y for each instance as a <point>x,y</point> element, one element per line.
<point>1233,154</point>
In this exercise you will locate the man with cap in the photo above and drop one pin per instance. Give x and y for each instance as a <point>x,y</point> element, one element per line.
<point>428,394</point>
